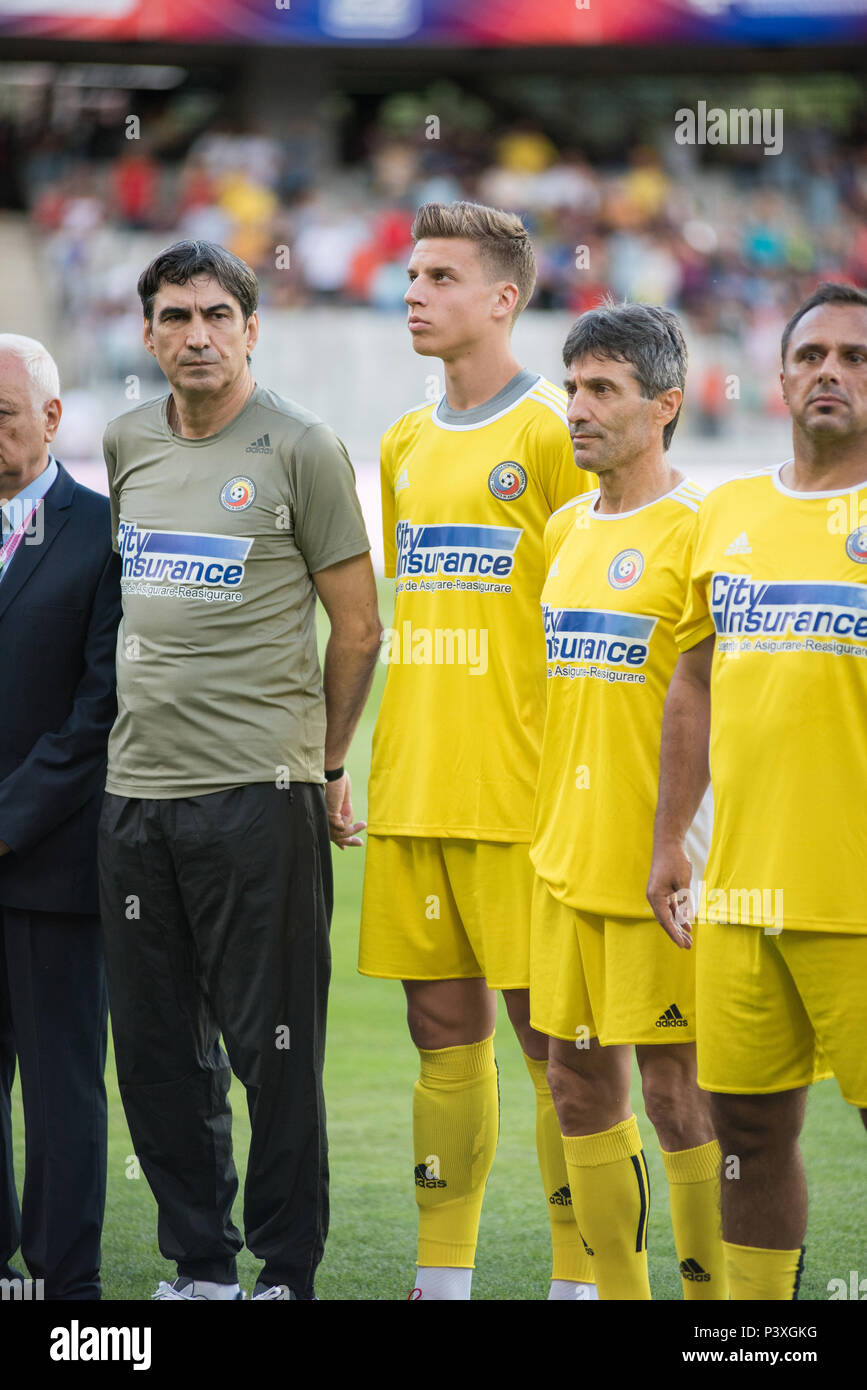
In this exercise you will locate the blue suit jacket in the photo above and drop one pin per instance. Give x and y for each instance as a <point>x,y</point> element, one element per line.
<point>59,612</point>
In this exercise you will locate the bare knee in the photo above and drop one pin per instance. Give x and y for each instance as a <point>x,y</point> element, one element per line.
<point>575,1097</point>
<point>748,1125</point>
<point>675,1106</point>
<point>664,1110</point>
<point>449,1013</point>
<point>590,1089</point>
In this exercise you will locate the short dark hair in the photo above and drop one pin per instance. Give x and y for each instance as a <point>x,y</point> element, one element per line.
<point>827,293</point>
<point>645,336</point>
<point>184,260</point>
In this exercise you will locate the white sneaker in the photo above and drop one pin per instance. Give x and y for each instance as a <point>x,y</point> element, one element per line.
<point>199,1289</point>
<point>263,1291</point>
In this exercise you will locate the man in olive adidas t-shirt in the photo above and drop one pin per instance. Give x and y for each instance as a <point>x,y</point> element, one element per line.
<point>232,508</point>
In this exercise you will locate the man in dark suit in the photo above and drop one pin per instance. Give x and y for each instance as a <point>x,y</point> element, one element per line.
<point>59,611</point>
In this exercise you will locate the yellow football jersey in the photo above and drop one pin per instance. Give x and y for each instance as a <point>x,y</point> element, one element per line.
<point>781,578</point>
<point>465,499</point>
<point>614,594</point>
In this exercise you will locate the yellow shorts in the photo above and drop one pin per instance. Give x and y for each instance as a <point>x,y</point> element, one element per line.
<point>777,1012</point>
<point>446,909</point>
<point>619,978</point>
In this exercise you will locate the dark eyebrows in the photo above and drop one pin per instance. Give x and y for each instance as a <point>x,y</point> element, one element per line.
<point>823,347</point>
<point>569,384</point>
<point>185,312</point>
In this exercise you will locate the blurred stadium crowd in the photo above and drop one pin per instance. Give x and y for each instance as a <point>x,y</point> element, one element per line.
<point>732,243</point>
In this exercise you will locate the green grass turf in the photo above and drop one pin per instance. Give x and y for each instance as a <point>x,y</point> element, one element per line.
<point>370,1070</point>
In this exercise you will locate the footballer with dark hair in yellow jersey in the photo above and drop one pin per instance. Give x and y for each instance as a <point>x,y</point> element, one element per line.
<point>468,483</point>
<point>601,978</point>
<point>770,698</point>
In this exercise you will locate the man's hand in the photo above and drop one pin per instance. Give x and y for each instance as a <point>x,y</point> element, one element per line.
<point>668,892</point>
<point>4,848</point>
<point>338,800</point>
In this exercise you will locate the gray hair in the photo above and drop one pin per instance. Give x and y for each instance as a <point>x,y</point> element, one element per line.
<point>645,336</point>
<point>40,365</point>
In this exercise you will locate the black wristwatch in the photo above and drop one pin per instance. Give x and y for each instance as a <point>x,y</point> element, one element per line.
<point>335,774</point>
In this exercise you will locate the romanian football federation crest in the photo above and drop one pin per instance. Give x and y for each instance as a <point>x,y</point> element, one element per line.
<point>507,481</point>
<point>625,569</point>
<point>856,545</point>
<point>238,494</point>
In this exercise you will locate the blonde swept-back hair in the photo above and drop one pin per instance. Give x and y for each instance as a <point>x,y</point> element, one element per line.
<point>501,238</point>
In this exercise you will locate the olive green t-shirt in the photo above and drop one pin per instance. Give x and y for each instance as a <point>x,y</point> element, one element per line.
<point>218,679</point>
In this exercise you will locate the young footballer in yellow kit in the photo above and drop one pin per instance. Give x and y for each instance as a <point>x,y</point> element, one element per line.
<point>774,663</point>
<point>601,979</point>
<point>468,484</point>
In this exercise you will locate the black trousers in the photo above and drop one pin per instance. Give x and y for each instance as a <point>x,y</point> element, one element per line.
<point>53,1018</point>
<point>216,911</point>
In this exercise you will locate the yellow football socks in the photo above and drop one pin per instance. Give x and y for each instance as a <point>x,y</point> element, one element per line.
<point>693,1189</point>
<point>765,1275</point>
<point>570,1259</point>
<point>610,1201</point>
<point>455,1124</point>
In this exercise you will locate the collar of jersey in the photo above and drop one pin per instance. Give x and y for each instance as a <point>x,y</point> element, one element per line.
<point>207,438</point>
<point>620,516</point>
<point>492,409</point>
<point>808,496</point>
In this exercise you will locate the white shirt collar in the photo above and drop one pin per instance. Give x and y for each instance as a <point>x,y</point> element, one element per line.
<point>17,508</point>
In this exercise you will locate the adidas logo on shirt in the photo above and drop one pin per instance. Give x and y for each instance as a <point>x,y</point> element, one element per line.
<point>562,1197</point>
<point>672,1018</point>
<point>740,545</point>
<point>262,445</point>
<point>402,481</point>
<point>691,1269</point>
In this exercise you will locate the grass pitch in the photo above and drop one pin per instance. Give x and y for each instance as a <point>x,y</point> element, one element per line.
<point>370,1070</point>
